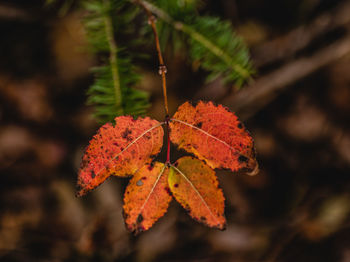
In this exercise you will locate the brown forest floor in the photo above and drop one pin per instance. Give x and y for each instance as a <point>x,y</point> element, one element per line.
<point>298,108</point>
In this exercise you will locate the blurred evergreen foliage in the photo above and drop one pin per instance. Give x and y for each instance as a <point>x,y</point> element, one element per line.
<point>206,41</point>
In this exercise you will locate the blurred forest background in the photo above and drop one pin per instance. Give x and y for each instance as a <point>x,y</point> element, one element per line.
<point>297,109</point>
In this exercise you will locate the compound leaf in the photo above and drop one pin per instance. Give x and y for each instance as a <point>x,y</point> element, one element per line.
<point>147,197</point>
<point>119,150</point>
<point>215,135</point>
<point>195,186</point>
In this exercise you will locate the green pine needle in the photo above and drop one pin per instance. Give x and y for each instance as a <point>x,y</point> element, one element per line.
<point>112,93</point>
<point>210,42</point>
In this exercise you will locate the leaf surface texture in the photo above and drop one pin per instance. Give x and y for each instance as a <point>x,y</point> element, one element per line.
<point>213,134</point>
<point>146,197</point>
<point>119,150</point>
<point>195,186</point>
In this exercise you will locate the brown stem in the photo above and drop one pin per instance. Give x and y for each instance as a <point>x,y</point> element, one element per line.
<point>162,71</point>
<point>167,120</point>
<point>162,68</point>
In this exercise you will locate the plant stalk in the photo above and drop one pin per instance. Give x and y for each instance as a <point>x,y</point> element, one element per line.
<point>162,70</point>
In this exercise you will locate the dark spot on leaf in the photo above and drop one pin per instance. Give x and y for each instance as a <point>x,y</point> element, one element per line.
<point>126,133</point>
<point>199,125</point>
<point>116,144</point>
<point>176,185</point>
<point>144,178</point>
<point>242,159</point>
<point>150,167</point>
<point>139,183</point>
<point>93,174</point>
<point>122,148</point>
<point>139,218</point>
<point>167,189</point>
<point>240,125</point>
<point>147,136</point>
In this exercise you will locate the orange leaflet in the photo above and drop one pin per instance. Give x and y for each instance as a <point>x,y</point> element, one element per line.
<point>195,187</point>
<point>212,133</point>
<point>146,197</point>
<point>119,150</point>
<point>215,135</point>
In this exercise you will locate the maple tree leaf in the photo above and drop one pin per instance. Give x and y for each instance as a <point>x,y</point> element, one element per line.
<point>211,133</point>
<point>147,197</point>
<point>119,150</point>
<point>195,186</point>
<point>215,135</point>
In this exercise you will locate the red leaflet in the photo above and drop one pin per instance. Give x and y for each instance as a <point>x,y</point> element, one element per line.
<point>212,133</point>
<point>119,150</point>
<point>215,135</point>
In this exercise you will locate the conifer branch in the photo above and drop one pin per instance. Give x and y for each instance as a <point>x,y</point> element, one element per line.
<point>113,59</point>
<point>112,92</point>
<point>213,48</point>
<point>242,70</point>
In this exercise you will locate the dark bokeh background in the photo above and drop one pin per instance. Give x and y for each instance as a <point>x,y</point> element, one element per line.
<point>296,209</point>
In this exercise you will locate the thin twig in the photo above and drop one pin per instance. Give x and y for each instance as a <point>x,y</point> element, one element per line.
<point>113,59</point>
<point>162,68</point>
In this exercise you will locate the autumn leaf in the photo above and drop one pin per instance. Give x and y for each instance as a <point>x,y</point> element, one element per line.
<point>212,133</point>
<point>215,135</point>
<point>119,150</point>
<point>146,197</point>
<point>195,186</point>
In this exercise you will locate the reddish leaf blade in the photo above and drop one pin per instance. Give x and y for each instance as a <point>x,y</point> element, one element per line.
<point>215,135</point>
<point>195,186</point>
<point>146,197</point>
<point>119,150</point>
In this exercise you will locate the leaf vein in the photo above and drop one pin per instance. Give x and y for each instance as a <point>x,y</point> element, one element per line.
<point>196,190</point>
<point>129,145</point>
<point>152,189</point>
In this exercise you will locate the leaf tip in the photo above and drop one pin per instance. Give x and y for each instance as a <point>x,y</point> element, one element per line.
<point>223,226</point>
<point>255,171</point>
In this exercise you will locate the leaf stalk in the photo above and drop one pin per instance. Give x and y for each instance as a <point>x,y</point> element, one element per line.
<point>162,70</point>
